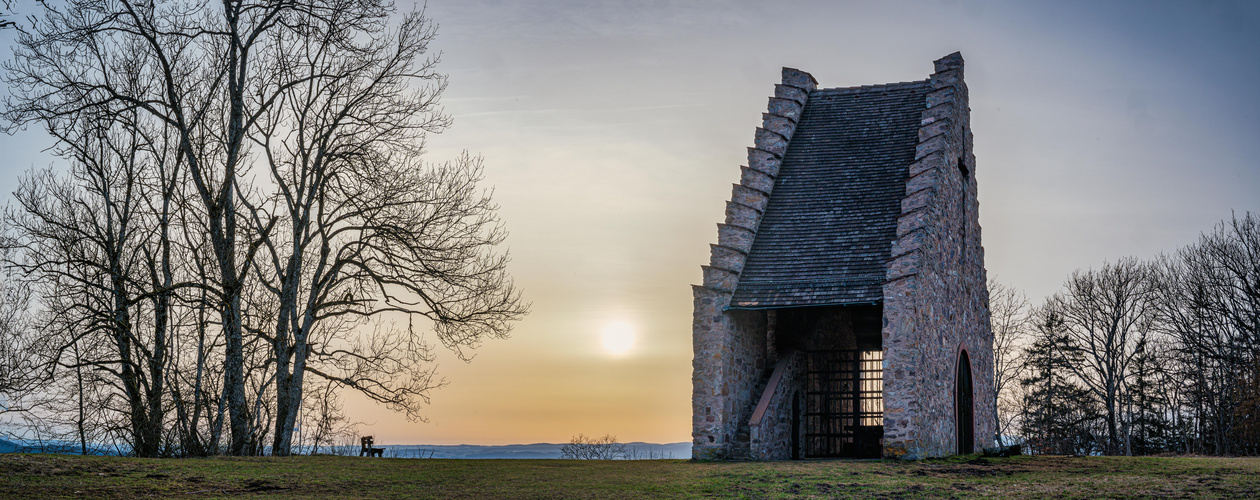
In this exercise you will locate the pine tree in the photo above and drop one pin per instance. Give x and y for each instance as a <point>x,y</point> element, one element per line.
<point>1059,414</point>
<point>1150,428</point>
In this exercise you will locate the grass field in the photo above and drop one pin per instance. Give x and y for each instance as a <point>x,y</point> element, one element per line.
<point>62,476</point>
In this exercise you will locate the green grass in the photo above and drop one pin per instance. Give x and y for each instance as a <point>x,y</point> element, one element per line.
<point>63,476</point>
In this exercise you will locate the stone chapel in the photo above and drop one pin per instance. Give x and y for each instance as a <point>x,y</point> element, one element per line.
<point>844,311</point>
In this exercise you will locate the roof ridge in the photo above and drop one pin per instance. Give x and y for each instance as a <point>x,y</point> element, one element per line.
<point>826,231</point>
<point>878,86</point>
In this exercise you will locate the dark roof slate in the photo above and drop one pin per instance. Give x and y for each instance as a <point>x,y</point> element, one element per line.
<point>827,230</point>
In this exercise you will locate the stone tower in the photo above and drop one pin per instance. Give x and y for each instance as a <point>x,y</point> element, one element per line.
<point>844,311</point>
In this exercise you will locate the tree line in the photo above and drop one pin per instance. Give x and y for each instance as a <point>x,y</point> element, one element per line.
<point>239,228</point>
<point>1138,357</point>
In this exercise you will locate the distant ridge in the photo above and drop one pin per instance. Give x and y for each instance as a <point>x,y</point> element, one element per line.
<point>638,450</point>
<point>641,450</point>
<point>53,446</point>
<point>7,446</point>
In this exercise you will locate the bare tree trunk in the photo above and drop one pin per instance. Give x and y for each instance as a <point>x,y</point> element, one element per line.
<point>78,373</point>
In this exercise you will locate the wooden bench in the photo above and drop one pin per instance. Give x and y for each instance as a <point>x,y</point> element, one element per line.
<point>367,449</point>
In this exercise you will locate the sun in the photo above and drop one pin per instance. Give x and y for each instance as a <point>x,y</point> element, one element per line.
<point>617,338</point>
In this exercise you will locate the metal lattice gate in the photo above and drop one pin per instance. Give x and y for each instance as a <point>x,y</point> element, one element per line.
<point>844,404</point>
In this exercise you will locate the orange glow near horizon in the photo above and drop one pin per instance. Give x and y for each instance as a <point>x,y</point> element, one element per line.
<point>611,140</point>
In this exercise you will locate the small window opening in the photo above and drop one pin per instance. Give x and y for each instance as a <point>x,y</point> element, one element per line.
<point>962,168</point>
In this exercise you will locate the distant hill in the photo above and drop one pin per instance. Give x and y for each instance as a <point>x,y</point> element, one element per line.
<point>7,446</point>
<point>536,450</point>
<point>53,446</point>
<point>638,450</point>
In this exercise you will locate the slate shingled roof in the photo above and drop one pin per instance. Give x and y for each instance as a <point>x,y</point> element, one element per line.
<point>832,215</point>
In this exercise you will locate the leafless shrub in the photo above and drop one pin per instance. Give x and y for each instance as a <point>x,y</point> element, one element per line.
<point>634,453</point>
<point>582,447</point>
<point>419,453</point>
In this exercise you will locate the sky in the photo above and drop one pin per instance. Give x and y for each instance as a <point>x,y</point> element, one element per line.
<point>612,131</point>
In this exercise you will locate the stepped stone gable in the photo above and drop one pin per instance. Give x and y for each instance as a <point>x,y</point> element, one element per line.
<point>844,310</point>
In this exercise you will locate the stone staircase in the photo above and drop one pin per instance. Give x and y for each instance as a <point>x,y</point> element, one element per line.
<point>741,446</point>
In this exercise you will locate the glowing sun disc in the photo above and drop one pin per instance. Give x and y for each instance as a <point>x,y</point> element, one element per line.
<point>617,338</point>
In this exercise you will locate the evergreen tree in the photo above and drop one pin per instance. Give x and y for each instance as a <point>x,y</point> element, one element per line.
<point>1150,428</point>
<point>1059,414</point>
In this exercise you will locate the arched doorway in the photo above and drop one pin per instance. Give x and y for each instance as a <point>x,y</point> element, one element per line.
<point>964,406</point>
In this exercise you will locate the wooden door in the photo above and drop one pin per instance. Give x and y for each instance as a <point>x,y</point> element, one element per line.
<point>964,407</point>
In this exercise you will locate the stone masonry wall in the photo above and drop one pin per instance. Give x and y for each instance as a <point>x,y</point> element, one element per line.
<point>935,297</point>
<point>729,359</point>
<point>723,382</point>
<point>771,436</point>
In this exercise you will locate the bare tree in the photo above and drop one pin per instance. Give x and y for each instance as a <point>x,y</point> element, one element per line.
<point>190,78</point>
<point>323,425</point>
<point>197,372</point>
<point>365,227</point>
<point>275,160</point>
<point>83,239</point>
<point>1168,350</point>
<point>1104,312</point>
<point>18,371</point>
<point>1205,348</point>
<point>6,14</point>
<point>1008,316</point>
<point>1234,249</point>
<point>1208,303</point>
